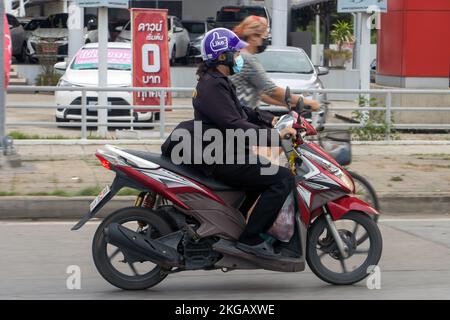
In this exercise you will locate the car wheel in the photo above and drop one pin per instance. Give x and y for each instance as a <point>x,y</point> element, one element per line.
<point>33,60</point>
<point>185,60</point>
<point>21,57</point>
<point>173,56</point>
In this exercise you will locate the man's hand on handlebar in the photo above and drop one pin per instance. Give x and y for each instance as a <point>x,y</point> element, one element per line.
<point>288,132</point>
<point>313,105</point>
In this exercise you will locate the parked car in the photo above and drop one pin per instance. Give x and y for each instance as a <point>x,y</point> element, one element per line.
<point>82,71</point>
<point>17,38</point>
<point>54,29</point>
<point>197,30</point>
<point>33,24</point>
<point>230,16</point>
<point>291,66</point>
<point>178,39</point>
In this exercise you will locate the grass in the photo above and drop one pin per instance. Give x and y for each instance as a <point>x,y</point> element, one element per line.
<point>439,156</point>
<point>18,135</point>
<point>89,191</point>
<point>8,194</point>
<point>396,179</point>
<point>58,193</point>
<point>86,192</point>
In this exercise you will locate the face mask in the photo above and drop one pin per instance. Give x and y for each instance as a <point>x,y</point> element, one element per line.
<point>238,64</point>
<point>263,46</point>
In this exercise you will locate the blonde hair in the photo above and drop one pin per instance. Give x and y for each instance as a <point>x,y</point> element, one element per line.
<point>250,26</point>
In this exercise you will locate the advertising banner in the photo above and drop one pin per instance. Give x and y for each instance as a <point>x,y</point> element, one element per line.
<point>7,50</point>
<point>362,5</point>
<point>151,66</point>
<point>103,3</point>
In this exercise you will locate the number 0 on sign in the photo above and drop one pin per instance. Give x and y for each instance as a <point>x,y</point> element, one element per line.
<point>151,58</point>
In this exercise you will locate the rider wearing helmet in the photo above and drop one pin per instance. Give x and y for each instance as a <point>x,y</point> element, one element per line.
<point>217,106</point>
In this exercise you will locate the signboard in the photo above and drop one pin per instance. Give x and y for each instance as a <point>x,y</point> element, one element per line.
<point>361,5</point>
<point>151,66</point>
<point>118,59</point>
<point>7,51</point>
<point>103,3</point>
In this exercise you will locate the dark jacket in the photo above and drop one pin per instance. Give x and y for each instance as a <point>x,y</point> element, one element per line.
<point>217,106</point>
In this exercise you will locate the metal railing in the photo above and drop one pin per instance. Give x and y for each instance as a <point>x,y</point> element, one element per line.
<point>162,124</point>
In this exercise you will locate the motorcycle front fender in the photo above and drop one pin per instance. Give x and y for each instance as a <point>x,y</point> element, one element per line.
<point>341,206</point>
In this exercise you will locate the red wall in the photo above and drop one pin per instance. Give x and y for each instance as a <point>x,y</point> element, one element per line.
<point>414,40</point>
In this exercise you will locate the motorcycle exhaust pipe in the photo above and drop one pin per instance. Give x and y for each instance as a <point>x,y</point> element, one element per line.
<point>140,247</point>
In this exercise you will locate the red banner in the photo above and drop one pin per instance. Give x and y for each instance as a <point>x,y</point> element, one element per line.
<point>7,50</point>
<point>151,66</point>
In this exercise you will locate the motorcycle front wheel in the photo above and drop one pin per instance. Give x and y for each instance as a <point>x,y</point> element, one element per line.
<point>363,239</point>
<point>110,260</point>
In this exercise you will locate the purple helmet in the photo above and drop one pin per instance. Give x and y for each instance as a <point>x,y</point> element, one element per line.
<point>220,40</point>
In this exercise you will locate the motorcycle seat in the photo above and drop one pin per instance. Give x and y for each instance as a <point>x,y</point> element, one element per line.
<point>184,170</point>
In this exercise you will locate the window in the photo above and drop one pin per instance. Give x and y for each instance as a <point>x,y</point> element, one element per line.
<point>195,27</point>
<point>237,14</point>
<point>285,61</point>
<point>12,21</point>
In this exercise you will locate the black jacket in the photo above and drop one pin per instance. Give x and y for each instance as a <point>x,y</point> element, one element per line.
<point>217,106</point>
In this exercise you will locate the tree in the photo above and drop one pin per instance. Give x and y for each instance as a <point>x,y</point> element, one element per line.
<point>304,17</point>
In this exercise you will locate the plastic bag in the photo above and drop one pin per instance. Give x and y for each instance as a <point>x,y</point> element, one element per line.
<point>284,225</point>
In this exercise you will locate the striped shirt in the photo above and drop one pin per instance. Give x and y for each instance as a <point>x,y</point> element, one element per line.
<point>252,81</point>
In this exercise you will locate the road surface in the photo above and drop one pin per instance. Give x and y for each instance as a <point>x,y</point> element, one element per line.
<point>36,255</point>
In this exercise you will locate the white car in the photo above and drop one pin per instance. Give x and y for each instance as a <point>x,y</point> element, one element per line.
<point>82,71</point>
<point>291,67</point>
<point>179,41</point>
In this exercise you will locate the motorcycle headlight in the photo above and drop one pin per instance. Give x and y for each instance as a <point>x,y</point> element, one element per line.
<point>348,182</point>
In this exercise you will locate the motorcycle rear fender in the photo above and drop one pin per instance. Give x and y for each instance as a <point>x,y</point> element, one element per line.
<point>341,206</point>
<point>119,182</point>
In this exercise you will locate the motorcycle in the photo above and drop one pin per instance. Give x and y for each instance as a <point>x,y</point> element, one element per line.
<point>183,220</point>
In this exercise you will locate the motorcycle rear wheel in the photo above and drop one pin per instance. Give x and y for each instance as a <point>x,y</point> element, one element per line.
<point>103,260</point>
<point>365,191</point>
<point>328,247</point>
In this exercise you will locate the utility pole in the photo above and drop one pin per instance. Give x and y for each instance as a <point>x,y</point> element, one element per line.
<point>102,113</point>
<point>279,22</point>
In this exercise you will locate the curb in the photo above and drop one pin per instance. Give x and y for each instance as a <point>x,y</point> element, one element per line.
<point>21,207</point>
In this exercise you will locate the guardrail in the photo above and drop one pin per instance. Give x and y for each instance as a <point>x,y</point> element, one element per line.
<point>84,91</point>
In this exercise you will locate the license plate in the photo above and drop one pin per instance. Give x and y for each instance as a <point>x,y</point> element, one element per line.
<point>99,198</point>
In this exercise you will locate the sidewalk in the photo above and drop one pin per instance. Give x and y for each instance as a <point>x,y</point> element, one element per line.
<point>407,178</point>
